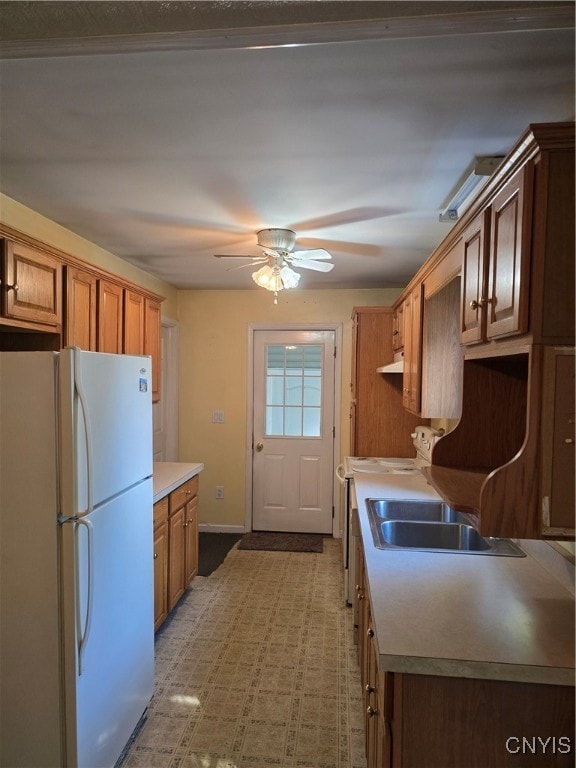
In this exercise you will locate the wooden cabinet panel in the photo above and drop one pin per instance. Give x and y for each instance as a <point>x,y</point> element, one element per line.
<point>559,439</point>
<point>31,285</point>
<point>412,379</point>
<point>398,328</point>
<point>379,425</point>
<point>110,317</point>
<point>180,509</point>
<point>176,543</point>
<point>474,265</point>
<point>496,264</point>
<point>449,722</point>
<point>152,342</point>
<point>160,574</point>
<point>184,493</point>
<point>80,316</point>
<point>133,323</point>
<point>508,274</point>
<point>191,543</point>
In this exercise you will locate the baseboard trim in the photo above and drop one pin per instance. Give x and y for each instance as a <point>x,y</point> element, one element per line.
<point>209,528</point>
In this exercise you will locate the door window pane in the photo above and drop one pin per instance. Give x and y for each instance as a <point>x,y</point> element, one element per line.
<point>293,390</point>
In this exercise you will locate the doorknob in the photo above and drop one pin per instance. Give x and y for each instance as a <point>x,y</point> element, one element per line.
<point>259,447</point>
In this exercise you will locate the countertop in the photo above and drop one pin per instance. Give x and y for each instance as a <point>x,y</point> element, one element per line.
<point>463,615</point>
<point>168,475</point>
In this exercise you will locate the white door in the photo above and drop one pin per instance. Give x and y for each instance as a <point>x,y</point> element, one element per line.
<point>293,431</point>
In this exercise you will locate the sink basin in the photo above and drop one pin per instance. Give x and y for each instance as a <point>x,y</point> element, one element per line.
<point>419,535</point>
<point>430,526</point>
<point>426,511</point>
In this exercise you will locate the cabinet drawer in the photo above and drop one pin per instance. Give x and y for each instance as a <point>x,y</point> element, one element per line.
<point>184,493</point>
<point>161,511</point>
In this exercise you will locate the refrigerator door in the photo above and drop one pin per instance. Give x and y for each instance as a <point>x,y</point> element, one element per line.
<point>107,590</point>
<point>106,426</point>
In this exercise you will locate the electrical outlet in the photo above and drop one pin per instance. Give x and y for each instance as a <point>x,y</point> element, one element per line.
<point>219,491</point>
<point>218,417</point>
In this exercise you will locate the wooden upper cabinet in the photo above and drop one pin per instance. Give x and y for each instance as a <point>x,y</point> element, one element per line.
<point>474,264</point>
<point>133,323</point>
<point>413,350</point>
<point>379,424</point>
<point>509,258</point>
<point>110,317</point>
<point>152,343</point>
<point>496,266</point>
<point>398,328</point>
<point>31,285</point>
<point>80,315</point>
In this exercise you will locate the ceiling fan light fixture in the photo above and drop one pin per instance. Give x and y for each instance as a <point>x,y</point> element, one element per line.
<point>290,279</point>
<point>275,278</point>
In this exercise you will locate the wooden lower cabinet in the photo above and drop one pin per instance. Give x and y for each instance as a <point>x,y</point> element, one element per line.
<point>431,721</point>
<point>160,574</point>
<point>175,547</point>
<point>160,562</point>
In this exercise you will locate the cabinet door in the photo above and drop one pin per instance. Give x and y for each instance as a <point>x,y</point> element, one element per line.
<point>80,316</point>
<point>398,328</point>
<point>191,543</point>
<point>133,323</point>
<point>160,574</point>
<point>413,350</point>
<point>509,269</point>
<point>475,244</point>
<point>31,285</point>
<point>152,341</point>
<point>176,544</point>
<point>110,317</point>
<point>558,442</point>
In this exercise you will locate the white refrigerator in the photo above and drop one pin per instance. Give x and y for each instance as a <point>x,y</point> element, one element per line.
<point>76,556</point>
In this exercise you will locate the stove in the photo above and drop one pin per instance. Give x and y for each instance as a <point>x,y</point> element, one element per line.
<point>423,439</point>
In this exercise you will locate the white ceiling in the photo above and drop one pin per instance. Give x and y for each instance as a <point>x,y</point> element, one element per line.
<point>191,141</point>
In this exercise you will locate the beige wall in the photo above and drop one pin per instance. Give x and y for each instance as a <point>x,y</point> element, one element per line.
<point>25,220</point>
<point>213,376</point>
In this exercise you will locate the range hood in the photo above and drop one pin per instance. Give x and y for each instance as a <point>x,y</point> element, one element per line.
<point>397,366</point>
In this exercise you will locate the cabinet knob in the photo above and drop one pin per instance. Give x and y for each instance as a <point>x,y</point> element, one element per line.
<point>369,688</point>
<point>370,633</point>
<point>475,304</point>
<point>155,555</point>
<point>569,440</point>
<point>14,288</point>
<point>370,711</point>
<point>259,447</point>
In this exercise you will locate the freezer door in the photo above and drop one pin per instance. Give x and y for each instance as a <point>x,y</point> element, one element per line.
<point>108,626</point>
<point>106,426</point>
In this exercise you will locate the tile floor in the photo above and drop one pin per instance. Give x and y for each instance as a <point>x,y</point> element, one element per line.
<point>257,668</point>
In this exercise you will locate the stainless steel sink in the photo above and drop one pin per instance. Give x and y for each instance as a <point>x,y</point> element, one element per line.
<point>426,511</point>
<point>419,535</point>
<point>431,527</point>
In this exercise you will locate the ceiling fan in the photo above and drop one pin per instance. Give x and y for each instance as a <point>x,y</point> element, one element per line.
<point>278,258</point>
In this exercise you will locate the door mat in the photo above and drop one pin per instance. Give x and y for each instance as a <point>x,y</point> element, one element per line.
<point>282,542</point>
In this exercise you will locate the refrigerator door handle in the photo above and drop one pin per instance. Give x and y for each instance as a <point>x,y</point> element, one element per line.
<point>83,622</point>
<point>88,439</point>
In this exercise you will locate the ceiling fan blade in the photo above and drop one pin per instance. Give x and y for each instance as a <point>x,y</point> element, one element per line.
<point>254,264</point>
<point>233,256</point>
<point>316,253</point>
<point>317,266</point>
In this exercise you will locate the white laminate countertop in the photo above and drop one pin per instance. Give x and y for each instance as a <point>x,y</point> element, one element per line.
<point>465,615</point>
<point>168,475</point>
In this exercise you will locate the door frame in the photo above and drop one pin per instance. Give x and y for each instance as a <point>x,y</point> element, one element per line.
<point>337,329</point>
<point>170,393</point>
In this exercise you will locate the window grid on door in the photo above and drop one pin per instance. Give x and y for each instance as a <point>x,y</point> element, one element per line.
<point>293,390</point>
